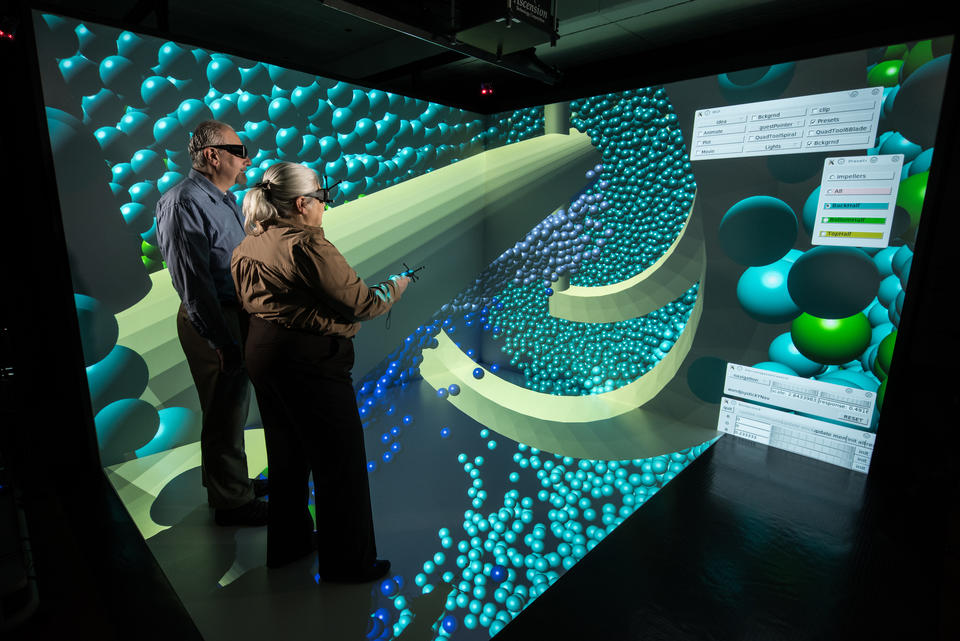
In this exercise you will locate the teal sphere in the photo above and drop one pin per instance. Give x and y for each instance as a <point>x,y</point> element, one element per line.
<point>98,328</point>
<point>178,426</point>
<point>170,134</point>
<point>81,75</point>
<point>120,374</point>
<point>102,108</point>
<point>851,378</point>
<point>168,180</point>
<point>916,109</point>
<point>119,74</point>
<point>341,94</point>
<point>288,79</point>
<point>365,130</point>
<point>782,350</point>
<point>123,426</point>
<point>139,128</point>
<point>137,217</point>
<point>883,259</point>
<point>774,366</point>
<point>753,85</point>
<point>888,290</point>
<point>289,140</point>
<point>833,282</point>
<point>147,163</point>
<point>282,113</point>
<point>192,112</point>
<point>255,80</point>
<point>758,230</point>
<point>260,133</point>
<point>114,144</point>
<point>343,120</point>
<point>329,149</point>
<point>223,75</point>
<point>763,294</point>
<point>223,110</point>
<point>306,100</point>
<point>176,61</point>
<point>897,144</point>
<point>160,95</point>
<point>145,193</point>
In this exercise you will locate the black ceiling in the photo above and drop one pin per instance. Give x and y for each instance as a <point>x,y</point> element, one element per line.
<point>412,47</point>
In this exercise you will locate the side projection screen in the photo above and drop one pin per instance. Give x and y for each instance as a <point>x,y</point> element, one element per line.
<point>610,284</point>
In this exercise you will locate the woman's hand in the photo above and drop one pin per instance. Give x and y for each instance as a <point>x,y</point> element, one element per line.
<point>401,284</point>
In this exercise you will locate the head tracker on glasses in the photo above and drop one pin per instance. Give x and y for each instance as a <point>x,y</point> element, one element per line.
<point>323,194</point>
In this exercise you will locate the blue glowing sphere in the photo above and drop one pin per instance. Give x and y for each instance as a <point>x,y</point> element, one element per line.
<point>449,624</point>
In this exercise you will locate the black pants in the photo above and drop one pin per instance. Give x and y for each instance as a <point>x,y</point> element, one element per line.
<point>224,401</point>
<point>311,424</point>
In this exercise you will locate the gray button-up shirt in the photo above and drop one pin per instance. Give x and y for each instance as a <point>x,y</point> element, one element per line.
<point>198,227</point>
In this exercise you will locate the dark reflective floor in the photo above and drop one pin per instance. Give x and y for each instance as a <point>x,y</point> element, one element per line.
<point>754,543</point>
<point>747,543</point>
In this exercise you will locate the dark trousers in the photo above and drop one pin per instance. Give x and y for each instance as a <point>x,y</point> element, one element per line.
<point>311,424</point>
<point>224,401</point>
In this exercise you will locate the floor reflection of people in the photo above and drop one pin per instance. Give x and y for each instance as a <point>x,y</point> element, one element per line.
<point>306,304</point>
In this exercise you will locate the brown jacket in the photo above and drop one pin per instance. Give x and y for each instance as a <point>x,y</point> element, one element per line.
<point>295,277</point>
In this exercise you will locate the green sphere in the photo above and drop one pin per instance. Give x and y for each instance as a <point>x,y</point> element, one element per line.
<point>150,251</point>
<point>895,52</point>
<point>885,74</point>
<point>151,264</point>
<point>831,341</point>
<point>881,366</point>
<point>921,54</point>
<point>881,393</point>
<point>910,196</point>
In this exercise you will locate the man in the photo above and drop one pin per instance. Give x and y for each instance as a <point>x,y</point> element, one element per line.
<point>198,227</point>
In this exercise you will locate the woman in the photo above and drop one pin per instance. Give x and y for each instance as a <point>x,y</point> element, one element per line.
<point>306,304</point>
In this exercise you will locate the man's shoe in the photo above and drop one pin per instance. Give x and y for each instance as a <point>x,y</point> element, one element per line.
<point>261,487</point>
<point>253,514</point>
<point>378,569</point>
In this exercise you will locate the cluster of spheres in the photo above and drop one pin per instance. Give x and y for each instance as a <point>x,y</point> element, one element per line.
<point>117,376</point>
<point>501,558</point>
<point>843,304</point>
<point>559,507</point>
<point>635,203</point>
<point>137,99</point>
<point>645,187</point>
<point>519,125</point>
<point>140,98</point>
